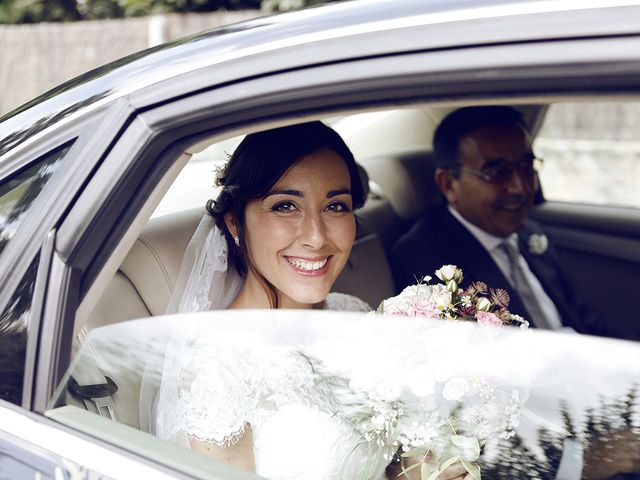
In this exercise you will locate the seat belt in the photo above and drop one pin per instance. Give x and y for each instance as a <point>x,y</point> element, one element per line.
<point>89,383</point>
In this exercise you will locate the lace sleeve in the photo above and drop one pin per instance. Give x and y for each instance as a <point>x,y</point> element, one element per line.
<point>213,398</point>
<point>346,303</point>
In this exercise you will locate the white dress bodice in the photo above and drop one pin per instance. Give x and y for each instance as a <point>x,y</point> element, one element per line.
<point>229,384</point>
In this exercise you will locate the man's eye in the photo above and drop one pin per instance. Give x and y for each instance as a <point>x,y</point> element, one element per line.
<point>498,172</point>
<point>284,207</point>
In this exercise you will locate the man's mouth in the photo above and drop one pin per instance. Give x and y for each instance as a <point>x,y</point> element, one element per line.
<point>513,204</point>
<point>309,266</point>
<point>513,207</point>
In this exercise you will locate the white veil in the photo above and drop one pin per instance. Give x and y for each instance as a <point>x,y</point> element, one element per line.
<point>206,282</point>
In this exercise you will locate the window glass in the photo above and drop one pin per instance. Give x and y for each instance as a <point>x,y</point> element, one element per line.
<point>14,322</point>
<point>591,153</point>
<point>319,393</point>
<point>196,182</point>
<point>18,192</point>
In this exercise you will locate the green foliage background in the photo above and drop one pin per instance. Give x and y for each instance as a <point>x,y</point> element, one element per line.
<point>33,11</point>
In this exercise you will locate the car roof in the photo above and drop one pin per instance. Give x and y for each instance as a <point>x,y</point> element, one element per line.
<point>265,35</point>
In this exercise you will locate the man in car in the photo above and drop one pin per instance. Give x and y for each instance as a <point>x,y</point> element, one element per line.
<point>487,172</point>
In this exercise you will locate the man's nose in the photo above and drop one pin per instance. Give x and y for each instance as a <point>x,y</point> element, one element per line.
<point>314,231</point>
<point>520,182</point>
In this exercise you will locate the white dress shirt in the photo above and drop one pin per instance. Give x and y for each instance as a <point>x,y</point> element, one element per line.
<point>492,244</point>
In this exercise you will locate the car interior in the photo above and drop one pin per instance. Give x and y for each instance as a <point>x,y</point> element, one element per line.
<point>393,149</point>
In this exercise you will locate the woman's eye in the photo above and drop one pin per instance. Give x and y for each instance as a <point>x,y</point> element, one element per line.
<point>339,207</point>
<point>283,207</point>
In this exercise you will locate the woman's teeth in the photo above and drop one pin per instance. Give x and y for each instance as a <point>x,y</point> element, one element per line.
<point>307,265</point>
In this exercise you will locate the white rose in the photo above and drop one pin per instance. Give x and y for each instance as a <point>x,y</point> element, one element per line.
<point>399,303</point>
<point>483,304</point>
<point>455,389</point>
<point>441,297</point>
<point>419,290</point>
<point>388,391</point>
<point>446,272</point>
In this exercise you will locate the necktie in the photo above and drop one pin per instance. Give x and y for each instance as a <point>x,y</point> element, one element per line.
<point>522,286</point>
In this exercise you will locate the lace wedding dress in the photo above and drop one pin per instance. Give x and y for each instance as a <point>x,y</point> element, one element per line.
<point>230,382</point>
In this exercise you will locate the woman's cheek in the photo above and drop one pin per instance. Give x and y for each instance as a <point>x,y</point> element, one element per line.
<point>344,231</point>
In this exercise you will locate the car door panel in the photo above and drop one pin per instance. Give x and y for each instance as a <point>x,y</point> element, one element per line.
<point>599,248</point>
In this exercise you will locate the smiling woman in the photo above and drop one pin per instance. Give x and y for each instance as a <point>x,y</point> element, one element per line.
<point>308,218</point>
<point>279,234</point>
<point>286,214</point>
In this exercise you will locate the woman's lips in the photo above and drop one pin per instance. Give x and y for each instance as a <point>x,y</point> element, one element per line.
<point>309,266</point>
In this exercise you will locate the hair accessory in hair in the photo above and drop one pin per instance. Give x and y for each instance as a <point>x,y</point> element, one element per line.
<point>236,239</point>
<point>220,172</point>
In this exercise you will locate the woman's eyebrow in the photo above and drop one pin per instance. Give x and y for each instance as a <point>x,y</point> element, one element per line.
<point>285,191</point>
<point>298,193</point>
<point>341,191</point>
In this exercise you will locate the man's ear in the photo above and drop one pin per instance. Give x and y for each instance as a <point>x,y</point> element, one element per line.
<point>230,222</point>
<point>444,180</point>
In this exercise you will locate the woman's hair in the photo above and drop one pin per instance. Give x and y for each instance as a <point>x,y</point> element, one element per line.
<point>255,167</point>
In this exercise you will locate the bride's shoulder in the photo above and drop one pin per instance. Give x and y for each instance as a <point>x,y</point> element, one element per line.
<point>346,302</point>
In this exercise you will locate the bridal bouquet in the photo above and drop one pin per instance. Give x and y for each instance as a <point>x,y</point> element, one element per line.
<point>458,405</point>
<point>447,301</point>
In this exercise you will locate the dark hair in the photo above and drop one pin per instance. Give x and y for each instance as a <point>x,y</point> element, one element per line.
<point>446,140</point>
<point>255,167</point>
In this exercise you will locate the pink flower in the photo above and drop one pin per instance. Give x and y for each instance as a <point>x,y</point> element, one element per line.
<point>488,319</point>
<point>423,308</point>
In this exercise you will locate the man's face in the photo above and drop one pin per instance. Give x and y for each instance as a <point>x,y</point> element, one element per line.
<point>497,207</point>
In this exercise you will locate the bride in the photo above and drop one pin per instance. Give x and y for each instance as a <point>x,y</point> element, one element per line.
<point>278,235</point>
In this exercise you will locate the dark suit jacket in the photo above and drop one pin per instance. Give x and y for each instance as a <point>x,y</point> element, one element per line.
<point>438,239</point>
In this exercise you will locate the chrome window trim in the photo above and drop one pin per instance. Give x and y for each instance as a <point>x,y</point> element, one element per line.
<point>75,451</point>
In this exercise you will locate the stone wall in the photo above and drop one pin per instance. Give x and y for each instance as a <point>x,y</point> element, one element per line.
<point>591,153</point>
<point>36,58</point>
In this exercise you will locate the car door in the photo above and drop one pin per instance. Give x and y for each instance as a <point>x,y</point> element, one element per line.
<point>106,216</point>
<point>44,165</point>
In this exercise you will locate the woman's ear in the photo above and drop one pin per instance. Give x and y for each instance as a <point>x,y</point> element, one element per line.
<point>230,222</point>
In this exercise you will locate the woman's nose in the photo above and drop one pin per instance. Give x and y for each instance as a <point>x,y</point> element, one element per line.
<point>314,233</point>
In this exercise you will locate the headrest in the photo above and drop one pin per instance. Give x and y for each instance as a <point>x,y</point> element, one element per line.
<point>406,180</point>
<point>153,263</point>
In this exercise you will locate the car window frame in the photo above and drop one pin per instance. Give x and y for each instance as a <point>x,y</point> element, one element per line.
<point>176,124</point>
<point>91,134</point>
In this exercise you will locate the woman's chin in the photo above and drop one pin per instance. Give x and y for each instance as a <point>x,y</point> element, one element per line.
<point>307,297</point>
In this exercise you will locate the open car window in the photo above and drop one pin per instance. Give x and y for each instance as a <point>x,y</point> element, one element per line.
<point>538,404</point>
<point>591,152</point>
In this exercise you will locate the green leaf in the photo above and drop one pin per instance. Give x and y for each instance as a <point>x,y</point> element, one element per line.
<point>414,452</point>
<point>472,469</point>
<point>434,475</point>
<point>427,474</point>
<point>405,470</point>
<point>448,463</point>
<point>468,447</point>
